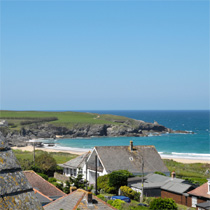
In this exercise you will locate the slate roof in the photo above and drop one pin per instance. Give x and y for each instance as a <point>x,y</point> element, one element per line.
<point>77,200</point>
<point>200,191</point>
<point>205,205</point>
<point>122,158</point>
<point>15,190</point>
<point>77,162</point>
<point>176,187</point>
<point>164,182</point>
<point>42,198</point>
<point>43,186</point>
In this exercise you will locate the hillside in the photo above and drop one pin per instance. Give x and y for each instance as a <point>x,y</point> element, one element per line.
<point>24,125</point>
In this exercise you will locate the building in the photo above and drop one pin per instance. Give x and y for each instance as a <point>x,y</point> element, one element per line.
<point>79,199</point>
<point>131,158</point>
<point>76,165</point>
<point>43,186</point>
<point>15,190</point>
<point>3,123</point>
<point>156,185</point>
<point>200,195</point>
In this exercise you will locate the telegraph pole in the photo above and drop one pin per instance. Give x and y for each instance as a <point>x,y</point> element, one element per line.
<point>96,175</point>
<point>142,182</point>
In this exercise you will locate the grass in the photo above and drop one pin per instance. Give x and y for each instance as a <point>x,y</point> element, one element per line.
<point>193,171</point>
<point>60,157</point>
<point>66,119</point>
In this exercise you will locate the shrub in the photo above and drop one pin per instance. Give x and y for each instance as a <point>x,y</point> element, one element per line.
<point>128,192</point>
<point>52,179</point>
<point>163,204</point>
<point>116,203</point>
<point>103,183</point>
<point>160,173</point>
<point>101,197</point>
<point>46,163</point>
<point>117,179</point>
<point>44,176</point>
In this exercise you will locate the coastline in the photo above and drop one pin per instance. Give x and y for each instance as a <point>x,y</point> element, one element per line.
<point>79,151</point>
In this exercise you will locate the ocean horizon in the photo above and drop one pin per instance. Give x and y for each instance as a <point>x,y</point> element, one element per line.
<point>188,146</point>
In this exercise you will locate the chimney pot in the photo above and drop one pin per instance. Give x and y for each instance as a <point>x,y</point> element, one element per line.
<point>89,197</point>
<point>173,174</point>
<point>131,145</point>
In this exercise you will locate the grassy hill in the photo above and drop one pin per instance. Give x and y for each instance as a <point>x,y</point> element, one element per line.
<point>17,119</point>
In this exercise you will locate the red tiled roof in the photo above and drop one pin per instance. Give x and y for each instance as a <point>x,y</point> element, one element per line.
<point>42,185</point>
<point>200,191</point>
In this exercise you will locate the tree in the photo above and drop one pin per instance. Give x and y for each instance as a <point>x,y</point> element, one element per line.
<point>46,163</point>
<point>117,179</point>
<point>163,204</point>
<point>78,181</point>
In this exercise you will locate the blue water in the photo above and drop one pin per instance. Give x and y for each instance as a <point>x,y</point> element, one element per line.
<point>195,145</point>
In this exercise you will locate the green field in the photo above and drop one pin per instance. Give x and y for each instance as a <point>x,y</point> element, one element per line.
<point>194,172</point>
<point>65,119</point>
<point>60,157</point>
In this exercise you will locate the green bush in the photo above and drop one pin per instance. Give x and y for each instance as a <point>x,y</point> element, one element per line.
<point>101,197</point>
<point>128,192</point>
<point>163,204</point>
<point>117,179</point>
<point>132,206</point>
<point>160,173</point>
<point>44,176</point>
<point>103,183</point>
<point>52,179</point>
<point>116,203</point>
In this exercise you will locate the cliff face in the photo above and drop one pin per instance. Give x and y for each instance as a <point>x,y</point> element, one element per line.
<point>127,128</point>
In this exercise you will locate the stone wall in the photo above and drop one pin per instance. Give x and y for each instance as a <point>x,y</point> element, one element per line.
<point>61,177</point>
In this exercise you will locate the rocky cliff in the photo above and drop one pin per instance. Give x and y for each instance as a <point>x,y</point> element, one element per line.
<point>128,128</point>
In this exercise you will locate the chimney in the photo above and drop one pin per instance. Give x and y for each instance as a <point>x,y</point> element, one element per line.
<point>173,175</point>
<point>208,186</point>
<point>89,197</point>
<point>131,145</point>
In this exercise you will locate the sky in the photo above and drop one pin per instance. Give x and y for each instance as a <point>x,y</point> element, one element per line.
<point>104,55</point>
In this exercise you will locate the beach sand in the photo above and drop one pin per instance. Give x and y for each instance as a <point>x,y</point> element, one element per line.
<point>77,152</point>
<point>30,149</point>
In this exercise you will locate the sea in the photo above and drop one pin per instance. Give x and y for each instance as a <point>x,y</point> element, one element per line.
<point>185,146</point>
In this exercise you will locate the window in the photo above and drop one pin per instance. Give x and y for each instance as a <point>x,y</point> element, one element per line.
<point>194,201</point>
<point>75,172</point>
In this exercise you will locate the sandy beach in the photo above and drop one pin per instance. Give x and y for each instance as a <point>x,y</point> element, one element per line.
<point>80,152</point>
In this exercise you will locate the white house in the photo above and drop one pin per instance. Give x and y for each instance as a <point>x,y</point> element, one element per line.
<point>131,158</point>
<point>76,165</point>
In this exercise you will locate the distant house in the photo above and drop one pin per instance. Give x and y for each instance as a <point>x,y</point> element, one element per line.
<point>76,165</point>
<point>15,190</point>
<point>43,186</point>
<point>3,123</point>
<point>156,185</point>
<point>201,195</point>
<point>79,199</point>
<point>131,158</point>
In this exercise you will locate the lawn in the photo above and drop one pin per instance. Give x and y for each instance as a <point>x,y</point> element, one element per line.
<point>60,157</point>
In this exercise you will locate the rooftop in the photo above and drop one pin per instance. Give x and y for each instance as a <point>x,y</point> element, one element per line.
<point>77,200</point>
<point>122,158</point>
<point>201,191</point>
<point>15,190</point>
<point>43,186</point>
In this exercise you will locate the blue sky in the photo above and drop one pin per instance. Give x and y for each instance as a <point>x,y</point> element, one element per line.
<point>105,55</point>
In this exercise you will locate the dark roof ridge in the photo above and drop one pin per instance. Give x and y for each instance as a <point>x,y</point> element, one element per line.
<point>31,171</point>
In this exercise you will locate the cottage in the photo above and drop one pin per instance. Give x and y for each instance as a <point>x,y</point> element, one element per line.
<point>200,195</point>
<point>136,159</point>
<point>156,185</point>
<point>79,199</point>
<point>75,166</point>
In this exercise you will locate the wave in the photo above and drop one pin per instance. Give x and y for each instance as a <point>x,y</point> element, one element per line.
<point>193,156</point>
